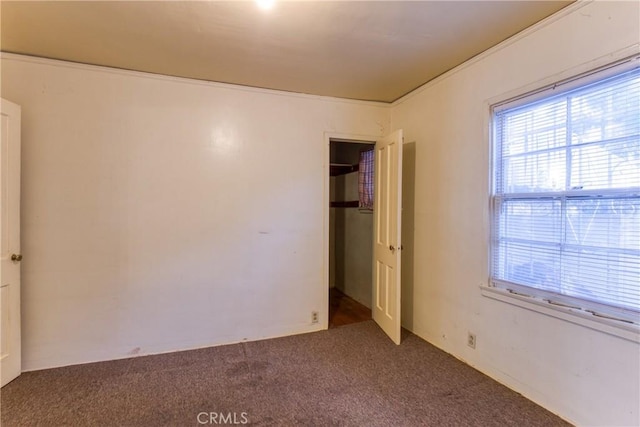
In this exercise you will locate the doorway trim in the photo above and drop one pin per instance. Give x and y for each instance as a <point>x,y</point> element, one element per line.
<point>328,138</point>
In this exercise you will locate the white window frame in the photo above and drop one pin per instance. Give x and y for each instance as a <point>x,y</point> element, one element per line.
<point>617,321</point>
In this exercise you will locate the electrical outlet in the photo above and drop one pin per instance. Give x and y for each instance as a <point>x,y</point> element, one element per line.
<point>314,317</point>
<point>471,340</point>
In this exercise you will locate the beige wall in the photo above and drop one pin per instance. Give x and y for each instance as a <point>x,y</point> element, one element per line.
<point>587,376</point>
<point>160,214</point>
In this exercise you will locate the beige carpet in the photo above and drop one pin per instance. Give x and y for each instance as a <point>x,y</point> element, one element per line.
<point>349,376</point>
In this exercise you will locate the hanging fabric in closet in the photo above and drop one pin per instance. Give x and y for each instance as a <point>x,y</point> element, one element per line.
<point>365,179</point>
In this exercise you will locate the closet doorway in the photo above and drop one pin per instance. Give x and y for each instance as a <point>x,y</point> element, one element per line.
<point>350,231</point>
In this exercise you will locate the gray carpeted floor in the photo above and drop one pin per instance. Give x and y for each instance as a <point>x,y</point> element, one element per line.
<point>348,376</point>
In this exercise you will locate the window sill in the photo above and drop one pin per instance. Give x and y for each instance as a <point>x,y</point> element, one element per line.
<point>628,331</point>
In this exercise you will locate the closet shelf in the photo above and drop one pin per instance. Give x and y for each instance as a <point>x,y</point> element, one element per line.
<point>337,169</point>
<point>348,204</point>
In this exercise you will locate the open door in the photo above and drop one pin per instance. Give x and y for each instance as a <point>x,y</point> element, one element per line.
<point>386,234</point>
<point>10,363</point>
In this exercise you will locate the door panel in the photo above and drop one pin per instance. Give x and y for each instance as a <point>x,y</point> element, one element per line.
<point>387,226</point>
<point>10,354</point>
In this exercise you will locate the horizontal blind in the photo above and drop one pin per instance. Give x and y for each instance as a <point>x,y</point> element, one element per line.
<point>567,193</point>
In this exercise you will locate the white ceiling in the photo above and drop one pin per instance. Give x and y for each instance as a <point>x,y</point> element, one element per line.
<point>370,50</point>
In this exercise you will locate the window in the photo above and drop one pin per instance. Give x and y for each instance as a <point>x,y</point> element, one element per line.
<point>566,194</point>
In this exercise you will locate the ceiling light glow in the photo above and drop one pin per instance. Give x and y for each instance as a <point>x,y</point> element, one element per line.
<point>265,4</point>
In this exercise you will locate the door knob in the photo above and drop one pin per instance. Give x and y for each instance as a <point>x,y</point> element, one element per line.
<point>391,248</point>
<point>16,257</point>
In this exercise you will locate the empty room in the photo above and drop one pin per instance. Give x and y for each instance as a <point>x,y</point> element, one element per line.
<point>187,186</point>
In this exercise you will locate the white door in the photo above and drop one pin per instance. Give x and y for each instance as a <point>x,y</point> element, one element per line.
<point>386,234</point>
<point>10,364</point>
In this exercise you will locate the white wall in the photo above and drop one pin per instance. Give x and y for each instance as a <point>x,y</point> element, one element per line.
<point>353,243</point>
<point>586,376</point>
<point>162,214</point>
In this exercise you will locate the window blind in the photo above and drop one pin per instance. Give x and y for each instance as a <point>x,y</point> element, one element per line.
<point>566,202</point>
